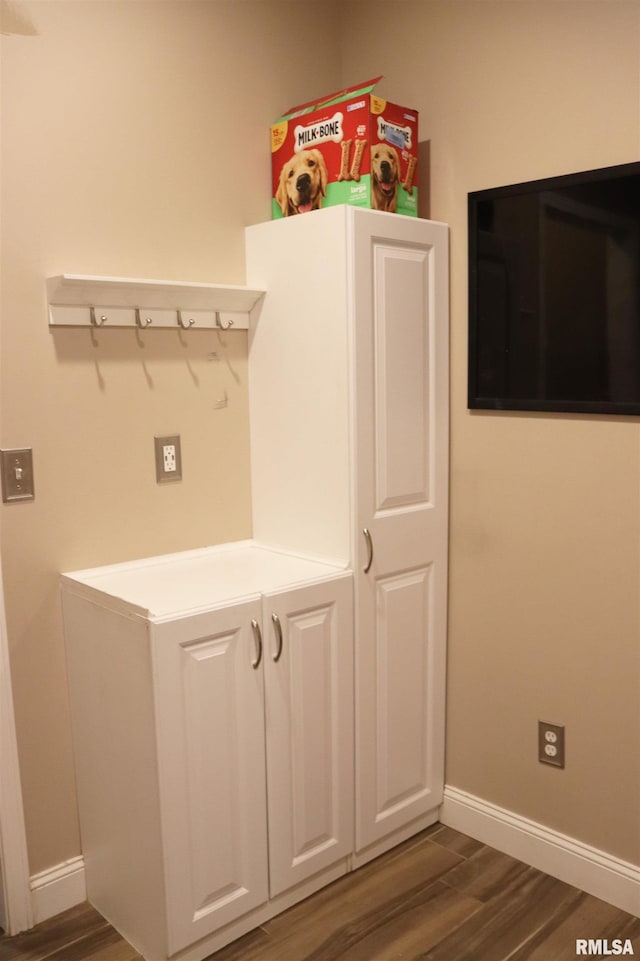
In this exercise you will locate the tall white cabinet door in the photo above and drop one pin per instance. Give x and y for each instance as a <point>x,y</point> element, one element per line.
<point>309,726</point>
<point>401,324</point>
<point>210,704</point>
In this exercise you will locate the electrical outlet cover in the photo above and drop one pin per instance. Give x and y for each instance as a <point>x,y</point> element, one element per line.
<point>168,459</point>
<point>551,743</point>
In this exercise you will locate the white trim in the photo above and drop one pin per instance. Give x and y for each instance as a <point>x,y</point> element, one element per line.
<point>15,901</point>
<point>58,888</point>
<point>594,871</point>
<point>606,877</point>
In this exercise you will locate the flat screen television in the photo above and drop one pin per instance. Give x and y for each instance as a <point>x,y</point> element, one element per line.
<point>554,294</point>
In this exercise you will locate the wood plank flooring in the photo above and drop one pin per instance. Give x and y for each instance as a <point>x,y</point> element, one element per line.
<point>439,897</point>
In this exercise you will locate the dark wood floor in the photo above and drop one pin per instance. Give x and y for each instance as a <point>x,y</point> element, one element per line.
<point>439,897</point>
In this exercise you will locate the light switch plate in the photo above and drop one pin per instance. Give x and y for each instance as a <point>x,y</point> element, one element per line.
<point>17,475</point>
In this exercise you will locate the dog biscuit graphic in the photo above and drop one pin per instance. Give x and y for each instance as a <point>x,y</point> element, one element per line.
<point>357,159</point>
<point>407,183</point>
<point>344,160</point>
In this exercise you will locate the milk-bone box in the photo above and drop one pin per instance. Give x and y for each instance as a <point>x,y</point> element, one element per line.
<point>350,148</point>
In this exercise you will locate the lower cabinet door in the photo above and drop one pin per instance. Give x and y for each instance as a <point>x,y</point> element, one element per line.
<point>209,691</point>
<point>308,657</point>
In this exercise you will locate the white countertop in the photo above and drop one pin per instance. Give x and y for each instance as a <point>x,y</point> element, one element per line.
<point>191,581</point>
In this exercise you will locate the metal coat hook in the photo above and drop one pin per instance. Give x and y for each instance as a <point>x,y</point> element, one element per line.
<point>188,324</point>
<point>94,321</point>
<point>220,324</point>
<point>140,322</point>
<point>222,403</point>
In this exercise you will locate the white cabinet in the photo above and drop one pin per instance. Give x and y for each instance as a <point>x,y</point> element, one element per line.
<point>234,751</point>
<point>348,378</point>
<point>212,701</point>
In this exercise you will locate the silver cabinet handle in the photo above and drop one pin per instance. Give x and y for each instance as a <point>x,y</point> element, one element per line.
<point>277,626</point>
<point>367,537</point>
<point>257,634</point>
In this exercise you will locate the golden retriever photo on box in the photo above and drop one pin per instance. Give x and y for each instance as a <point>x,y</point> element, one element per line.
<point>385,169</point>
<point>303,183</point>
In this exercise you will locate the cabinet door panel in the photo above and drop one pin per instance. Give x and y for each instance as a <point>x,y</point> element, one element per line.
<point>399,677</point>
<point>401,314</point>
<point>212,770</point>
<point>401,388</point>
<point>309,730</point>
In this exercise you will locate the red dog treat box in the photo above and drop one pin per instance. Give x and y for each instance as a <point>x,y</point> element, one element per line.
<point>350,148</point>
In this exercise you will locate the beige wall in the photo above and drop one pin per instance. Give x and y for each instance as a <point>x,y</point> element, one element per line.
<point>113,163</point>
<point>135,143</point>
<point>545,510</point>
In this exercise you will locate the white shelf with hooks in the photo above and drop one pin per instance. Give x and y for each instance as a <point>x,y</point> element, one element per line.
<point>77,300</point>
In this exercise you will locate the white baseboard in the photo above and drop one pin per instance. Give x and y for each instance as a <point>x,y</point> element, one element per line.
<point>58,889</point>
<point>594,871</point>
<point>586,867</point>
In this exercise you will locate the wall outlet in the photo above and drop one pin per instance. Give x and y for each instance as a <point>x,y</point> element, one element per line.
<point>168,458</point>
<point>551,743</point>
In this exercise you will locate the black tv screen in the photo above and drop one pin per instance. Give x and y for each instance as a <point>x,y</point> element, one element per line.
<point>554,294</point>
